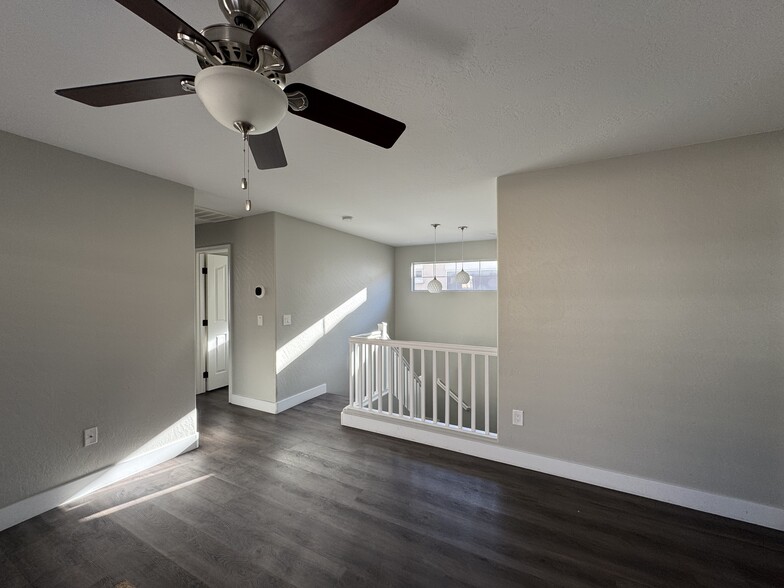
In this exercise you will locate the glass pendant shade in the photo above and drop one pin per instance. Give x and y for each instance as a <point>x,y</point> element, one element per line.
<point>234,94</point>
<point>434,286</point>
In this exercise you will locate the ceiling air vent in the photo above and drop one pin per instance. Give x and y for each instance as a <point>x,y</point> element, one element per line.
<point>205,215</point>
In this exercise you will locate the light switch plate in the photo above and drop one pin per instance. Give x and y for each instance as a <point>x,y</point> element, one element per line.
<point>90,436</point>
<point>286,320</point>
<point>260,320</point>
<point>517,417</point>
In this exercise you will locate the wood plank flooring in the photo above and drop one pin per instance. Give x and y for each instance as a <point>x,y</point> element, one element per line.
<point>297,500</point>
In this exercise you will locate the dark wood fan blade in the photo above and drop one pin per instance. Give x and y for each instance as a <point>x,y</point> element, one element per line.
<point>267,150</point>
<point>165,21</point>
<point>130,91</point>
<point>301,29</point>
<point>347,117</point>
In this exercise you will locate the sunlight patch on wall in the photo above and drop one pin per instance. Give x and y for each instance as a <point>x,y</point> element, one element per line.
<point>183,428</point>
<point>287,354</point>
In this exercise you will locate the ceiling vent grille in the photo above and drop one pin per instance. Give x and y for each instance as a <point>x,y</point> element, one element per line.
<point>205,215</point>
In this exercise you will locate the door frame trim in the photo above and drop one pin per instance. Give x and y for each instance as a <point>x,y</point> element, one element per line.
<point>198,333</point>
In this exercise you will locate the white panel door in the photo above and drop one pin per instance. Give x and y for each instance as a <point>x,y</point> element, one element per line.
<point>217,321</point>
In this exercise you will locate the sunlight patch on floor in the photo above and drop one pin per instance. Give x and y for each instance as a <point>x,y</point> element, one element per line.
<point>131,503</point>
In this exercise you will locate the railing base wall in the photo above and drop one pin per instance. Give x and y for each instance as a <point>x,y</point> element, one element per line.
<point>726,506</point>
<point>394,420</point>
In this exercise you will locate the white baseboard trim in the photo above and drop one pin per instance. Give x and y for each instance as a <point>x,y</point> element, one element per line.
<point>292,401</point>
<point>13,514</point>
<point>254,403</point>
<point>281,405</point>
<point>726,506</point>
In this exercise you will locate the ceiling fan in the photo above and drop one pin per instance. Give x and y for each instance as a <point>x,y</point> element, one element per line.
<point>242,83</point>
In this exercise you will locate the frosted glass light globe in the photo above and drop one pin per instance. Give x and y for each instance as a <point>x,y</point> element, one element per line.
<point>235,94</point>
<point>434,286</point>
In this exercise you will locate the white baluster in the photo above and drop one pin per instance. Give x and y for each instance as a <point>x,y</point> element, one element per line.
<point>397,380</point>
<point>400,381</point>
<point>473,392</point>
<point>435,387</point>
<point>378,377</point>
<point>401,396</point>
<point>487,394</point>
<point>410,395</point>
<point>357,376</point>
<point>391,377</point>
<point>460,391</point>
<point>422,385</point>
<point>368,386</point>
<point>352,374</point>
<point>447,396</point>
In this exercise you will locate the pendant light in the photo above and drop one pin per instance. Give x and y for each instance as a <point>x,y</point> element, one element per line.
<point>434,286</point>
<point>462,277</point>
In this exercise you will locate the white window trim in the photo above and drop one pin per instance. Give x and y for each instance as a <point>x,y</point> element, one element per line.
<point>457,263</point>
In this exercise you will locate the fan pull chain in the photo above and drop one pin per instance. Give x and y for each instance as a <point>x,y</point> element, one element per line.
<point>245,184</point>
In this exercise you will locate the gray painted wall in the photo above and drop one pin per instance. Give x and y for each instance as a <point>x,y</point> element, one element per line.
<point>97,324</point>
<point>252,261</point>
<point>318,270</point>
<point>465,318</point>
<point>641,315</point>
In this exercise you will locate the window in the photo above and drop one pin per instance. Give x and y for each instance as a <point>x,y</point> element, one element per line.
<point>484,275</point>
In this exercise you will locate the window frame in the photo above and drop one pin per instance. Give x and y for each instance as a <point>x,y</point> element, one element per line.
<point>445,281</point>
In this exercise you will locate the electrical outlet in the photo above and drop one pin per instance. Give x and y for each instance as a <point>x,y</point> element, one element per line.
<point>260,320</point>
<point>517,417</point>
<point>90,436</point>
<point>286,320</point>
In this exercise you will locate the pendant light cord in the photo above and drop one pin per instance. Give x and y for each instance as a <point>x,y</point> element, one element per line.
<point>462,241</point>
<point>435,245</point>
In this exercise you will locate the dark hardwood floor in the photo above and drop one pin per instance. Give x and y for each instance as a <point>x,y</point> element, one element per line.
<point>297,500</point>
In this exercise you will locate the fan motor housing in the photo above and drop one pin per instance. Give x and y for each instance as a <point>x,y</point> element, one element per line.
<point>248,14</point>
<point>233,42</point>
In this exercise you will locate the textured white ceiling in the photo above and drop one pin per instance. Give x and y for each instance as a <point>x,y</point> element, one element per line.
<point>486,88</point>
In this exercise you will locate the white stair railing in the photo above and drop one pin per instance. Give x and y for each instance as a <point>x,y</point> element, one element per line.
<point>450,386</point>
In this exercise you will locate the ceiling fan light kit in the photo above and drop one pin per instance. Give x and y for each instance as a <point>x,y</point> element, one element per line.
<point>233,94</point>
<point>243,62</point>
